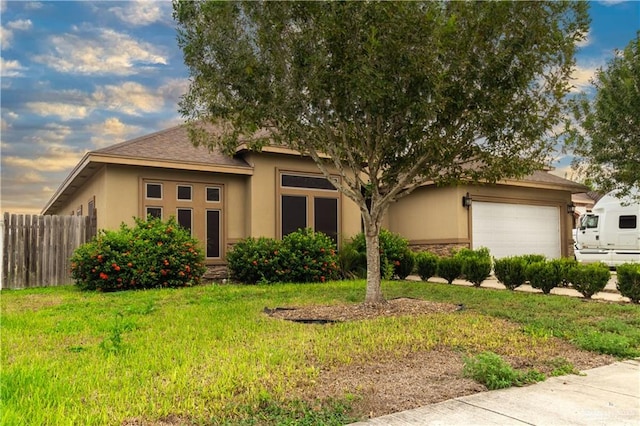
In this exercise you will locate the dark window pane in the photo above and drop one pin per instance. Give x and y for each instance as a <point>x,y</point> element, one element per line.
<point>184,192</point>
<point>293,181</point>
<point>213,194</point>
<point>628,222</point>
<point>154,190</point>
<point>155,212</point>
<point>184,218</point>
<point>213,233</point>
<point>326,217</point>
<point>294,214</point>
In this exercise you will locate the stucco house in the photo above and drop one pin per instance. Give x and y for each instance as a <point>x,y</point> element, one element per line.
<point>223,199</point>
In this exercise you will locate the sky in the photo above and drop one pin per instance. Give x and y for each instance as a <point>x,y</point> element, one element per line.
<point>77,76</point>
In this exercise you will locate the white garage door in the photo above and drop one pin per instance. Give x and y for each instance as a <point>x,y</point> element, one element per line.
<point>515,229</point>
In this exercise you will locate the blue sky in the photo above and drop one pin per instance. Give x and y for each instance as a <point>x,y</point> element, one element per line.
<point>79,76</point>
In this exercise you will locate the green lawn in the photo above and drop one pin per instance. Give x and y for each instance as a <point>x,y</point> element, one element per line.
<point>208,354</point>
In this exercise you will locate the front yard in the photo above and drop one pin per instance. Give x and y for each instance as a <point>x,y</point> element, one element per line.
<point>212,355</point>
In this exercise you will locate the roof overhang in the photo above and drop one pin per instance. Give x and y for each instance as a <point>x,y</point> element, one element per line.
<point>92,162</point>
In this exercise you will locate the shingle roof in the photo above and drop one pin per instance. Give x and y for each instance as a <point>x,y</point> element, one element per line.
<point>170,145</point>
<point>544,177</point>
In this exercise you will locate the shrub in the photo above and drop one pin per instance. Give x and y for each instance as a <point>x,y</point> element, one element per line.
<point>255,260</point>
<point>564,266</point>
<point>494,372</point>
<point>543,275</point>
<point>307,256</point>
<point>476,269</point>
<point>394,260</point>
<point>629,281</point>
<point>449,268</point>
<point>465,253</point>
<point>533,258</point>
<point>511,271</point>
<point>151,254</point>
<point>353,264</point>
<point>404,266</point>
<point>590,278</point>
<point>302,256</point>
<point>426,265</point>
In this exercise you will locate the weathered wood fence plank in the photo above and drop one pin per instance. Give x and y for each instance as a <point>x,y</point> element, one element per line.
<point>36,249</point>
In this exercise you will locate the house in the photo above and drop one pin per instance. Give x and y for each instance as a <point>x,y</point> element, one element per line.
<point>223,199</point>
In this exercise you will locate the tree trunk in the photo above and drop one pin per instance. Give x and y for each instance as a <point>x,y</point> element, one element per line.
<point>374,289</point>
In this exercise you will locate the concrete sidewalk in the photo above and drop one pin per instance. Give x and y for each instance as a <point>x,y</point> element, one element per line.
<point>608,395</point>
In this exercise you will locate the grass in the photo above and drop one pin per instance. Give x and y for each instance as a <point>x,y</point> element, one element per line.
<point>208,355</point>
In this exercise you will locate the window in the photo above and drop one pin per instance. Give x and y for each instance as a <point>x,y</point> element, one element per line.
<point>79,211</point>
<point>213,194</point>
<point>154,191</point>
<point>326,216</point>
<point>91,207</point>
<point>213,234</point>
<point>185,219</point>
<point>294,213</point>
<point>628,222</point>
<point>184,192</point>
<point>309,182</point>
<point>154,212</point>
<point>589,222</point>
<point>196,206</point>
<point>308,202</point>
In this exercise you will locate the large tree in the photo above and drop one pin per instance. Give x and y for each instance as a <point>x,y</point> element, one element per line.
<point>606,134</point>
<point>389,94</point>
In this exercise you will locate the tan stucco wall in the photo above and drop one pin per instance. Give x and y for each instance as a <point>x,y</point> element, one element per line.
<point>263,195</point>
<point>94,187</point>
<point>435,216</point>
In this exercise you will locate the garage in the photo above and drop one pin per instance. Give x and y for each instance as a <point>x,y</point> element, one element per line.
<point>516,229</point>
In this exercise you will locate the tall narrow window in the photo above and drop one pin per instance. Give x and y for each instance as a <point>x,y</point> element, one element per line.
<point>326,216</point>
<point>185,219</point>
<point>294,213</point>
<point>213,233</point>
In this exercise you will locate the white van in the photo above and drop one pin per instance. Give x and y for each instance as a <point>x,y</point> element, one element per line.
<point>610,233</point>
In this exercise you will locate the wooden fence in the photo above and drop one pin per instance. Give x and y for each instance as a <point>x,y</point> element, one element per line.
<point>36,249</point>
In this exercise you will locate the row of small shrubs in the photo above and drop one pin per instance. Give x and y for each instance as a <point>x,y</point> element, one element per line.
<point>302,256</point>
<point>472,265</point>
<point>153,253</point>
<point>545,275</point>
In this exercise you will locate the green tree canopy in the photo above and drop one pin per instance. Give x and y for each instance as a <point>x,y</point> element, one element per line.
<point>606,134</point>
<point>389,94</point>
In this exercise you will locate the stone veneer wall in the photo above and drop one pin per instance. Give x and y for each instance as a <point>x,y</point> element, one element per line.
<point>443,249</point>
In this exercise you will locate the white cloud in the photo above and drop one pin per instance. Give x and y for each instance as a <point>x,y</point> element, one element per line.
<point>64,111</point>
<point>6,37</point>
<point>49,163</point>
<point>111,131</point>
<point>20,24</point>
<point>130,98</point>
<point>141,12</point>
<point>108,53</point>
<point>33,5</point>
<point>588,39</point>
<point>173,89</point>
<point>10,68</point>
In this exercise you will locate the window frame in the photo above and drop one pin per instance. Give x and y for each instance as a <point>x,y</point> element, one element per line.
<point>146,211</point>
<point>146,191</point>
<point>206,194</point>
<point>184,200</point>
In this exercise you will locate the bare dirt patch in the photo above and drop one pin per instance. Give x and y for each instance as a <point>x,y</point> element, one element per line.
<point>383,386</point>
